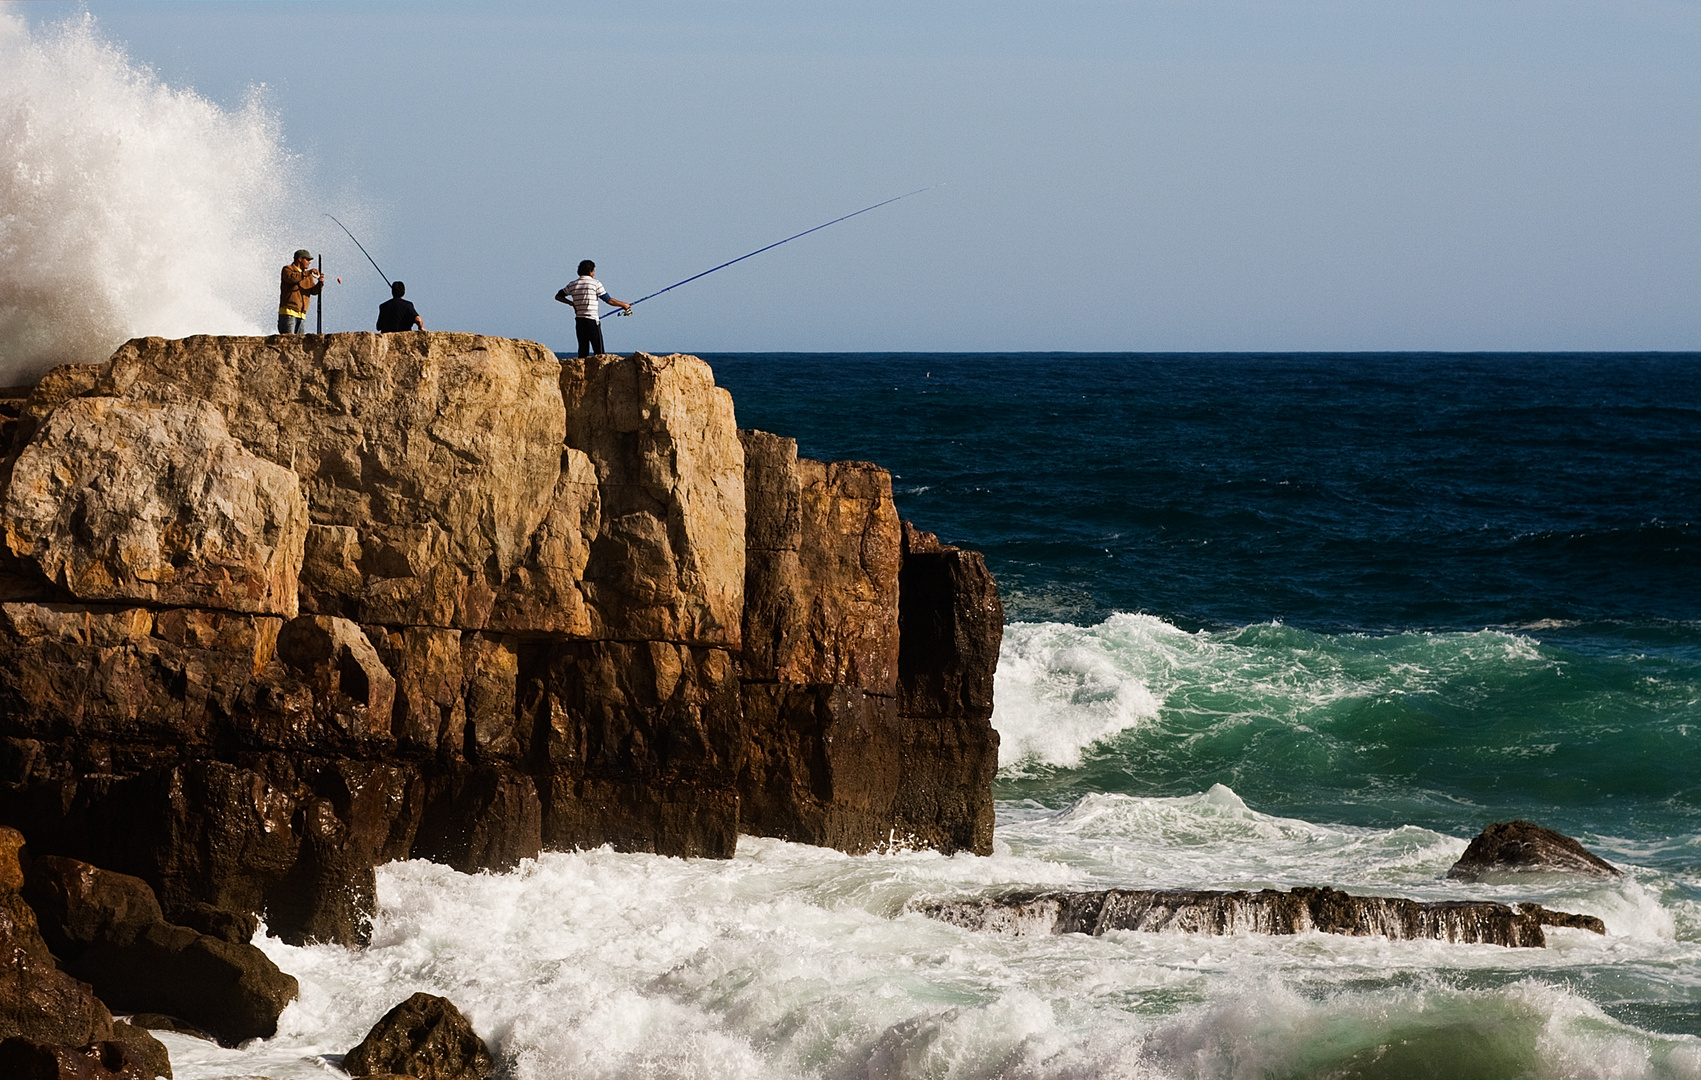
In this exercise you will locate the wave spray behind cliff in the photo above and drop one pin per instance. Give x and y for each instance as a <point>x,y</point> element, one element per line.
<point>128,207</point>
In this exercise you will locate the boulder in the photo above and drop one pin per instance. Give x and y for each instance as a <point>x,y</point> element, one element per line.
<point>38,1002</point>
<point>108,928</point>
<point>115,500</point>
<point>424,1037</point>
<point>1522,847</point>
<point>26,1059</point>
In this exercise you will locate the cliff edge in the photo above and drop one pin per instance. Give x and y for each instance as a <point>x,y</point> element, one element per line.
<point>274,611</point>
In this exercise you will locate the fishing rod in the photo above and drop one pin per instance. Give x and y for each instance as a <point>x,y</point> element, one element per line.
<point>759,251</point>
<point>363,251</point>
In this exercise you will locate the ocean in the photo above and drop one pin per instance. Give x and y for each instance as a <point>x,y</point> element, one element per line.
<point>1273,620</point>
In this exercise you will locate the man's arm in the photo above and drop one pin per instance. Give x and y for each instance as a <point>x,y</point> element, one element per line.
<point>419,323</point>
<point>617,303</point>
<point>561,296</point>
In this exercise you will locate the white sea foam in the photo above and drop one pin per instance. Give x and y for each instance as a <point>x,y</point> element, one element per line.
<point>790,961</point>
<point>128,207</point>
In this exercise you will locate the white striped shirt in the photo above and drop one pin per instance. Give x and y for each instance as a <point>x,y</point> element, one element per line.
<point>585,292</point>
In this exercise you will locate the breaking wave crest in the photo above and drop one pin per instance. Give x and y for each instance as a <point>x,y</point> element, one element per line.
<point>128,207</point>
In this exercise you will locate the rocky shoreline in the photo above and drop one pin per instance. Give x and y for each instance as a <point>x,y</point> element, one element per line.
<point>279,610</point>
<point>276,611</point>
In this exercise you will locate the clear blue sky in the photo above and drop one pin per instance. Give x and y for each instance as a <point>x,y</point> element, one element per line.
<point>1200,175</point>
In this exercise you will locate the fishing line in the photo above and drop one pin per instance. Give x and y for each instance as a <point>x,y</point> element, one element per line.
<point>758,251</point>
<point>363,251</point>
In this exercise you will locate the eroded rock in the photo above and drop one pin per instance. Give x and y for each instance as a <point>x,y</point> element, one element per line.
<point>118,501</point>
<point>667,563</point>
<point>537,610</point>
<point>1522,847</point>
<point>1268,911</point>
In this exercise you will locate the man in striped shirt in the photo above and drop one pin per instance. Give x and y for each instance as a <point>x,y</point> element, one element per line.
<point>583,294</point>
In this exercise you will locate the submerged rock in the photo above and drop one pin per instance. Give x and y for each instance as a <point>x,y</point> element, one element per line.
<point>424,1037</point>
<point>1267,911</point>
<point>1521,847</point>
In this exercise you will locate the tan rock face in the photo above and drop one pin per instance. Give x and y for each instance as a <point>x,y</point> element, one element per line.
<point>667,562</point>
<point>441,451</point>
<point>157,503</point>
<point>821,590</point>
<point>541,604</point>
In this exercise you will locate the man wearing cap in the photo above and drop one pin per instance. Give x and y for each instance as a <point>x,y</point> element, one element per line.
<point>301,283</point>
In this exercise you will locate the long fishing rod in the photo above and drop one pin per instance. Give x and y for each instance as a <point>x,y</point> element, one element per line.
<point>759,251</point>
<point>363,251</point>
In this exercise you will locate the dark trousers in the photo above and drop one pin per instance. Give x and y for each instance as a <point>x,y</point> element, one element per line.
<point>289,324</point>
<point>590,336</point>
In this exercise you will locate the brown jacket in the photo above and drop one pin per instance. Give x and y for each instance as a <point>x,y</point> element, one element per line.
<point>295,296</point>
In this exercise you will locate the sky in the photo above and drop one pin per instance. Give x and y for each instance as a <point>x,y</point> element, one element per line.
<point>1145,176</point>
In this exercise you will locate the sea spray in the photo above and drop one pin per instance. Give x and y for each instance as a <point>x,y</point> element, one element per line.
<point>129,207</point>
<point>791,961</point>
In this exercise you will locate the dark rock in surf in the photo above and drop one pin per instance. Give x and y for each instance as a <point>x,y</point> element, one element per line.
<point>1267,911</point>
<point>25,1059</point>
<point>866,667</point>
<point>424,1037</point>
<point>107,928</point>
<point>1515,847</point>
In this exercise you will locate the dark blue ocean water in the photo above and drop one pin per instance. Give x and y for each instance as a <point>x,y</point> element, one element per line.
<point>1331,492</point>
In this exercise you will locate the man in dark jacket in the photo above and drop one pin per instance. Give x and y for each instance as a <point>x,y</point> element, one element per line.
<point>397,314</point>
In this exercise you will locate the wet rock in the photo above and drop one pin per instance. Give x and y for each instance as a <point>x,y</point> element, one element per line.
<point>1521,847</point>
<point>107,928</point>
<point>1268,911</point>
<point>333,654</point>
<point>950,626</point>
<point>643,743</point>
<point>38,1002</point>
<point>236,927</point>
<point>143,1048</point>
<point>424,1037</point>
<point>25,1059</point>
<point>119,501</point>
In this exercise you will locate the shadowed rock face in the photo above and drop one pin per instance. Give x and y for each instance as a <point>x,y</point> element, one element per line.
<point>1521,847</point>
<point>51,1024</point>
<point>108,929</point>
<point>867,664</point>
<point>1267,911</point>
<point>274,611</point>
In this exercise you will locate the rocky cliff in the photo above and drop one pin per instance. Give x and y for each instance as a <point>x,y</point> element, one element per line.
<point>276,610</point>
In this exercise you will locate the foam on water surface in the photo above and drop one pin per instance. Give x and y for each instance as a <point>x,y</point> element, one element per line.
<point>791,961</point>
